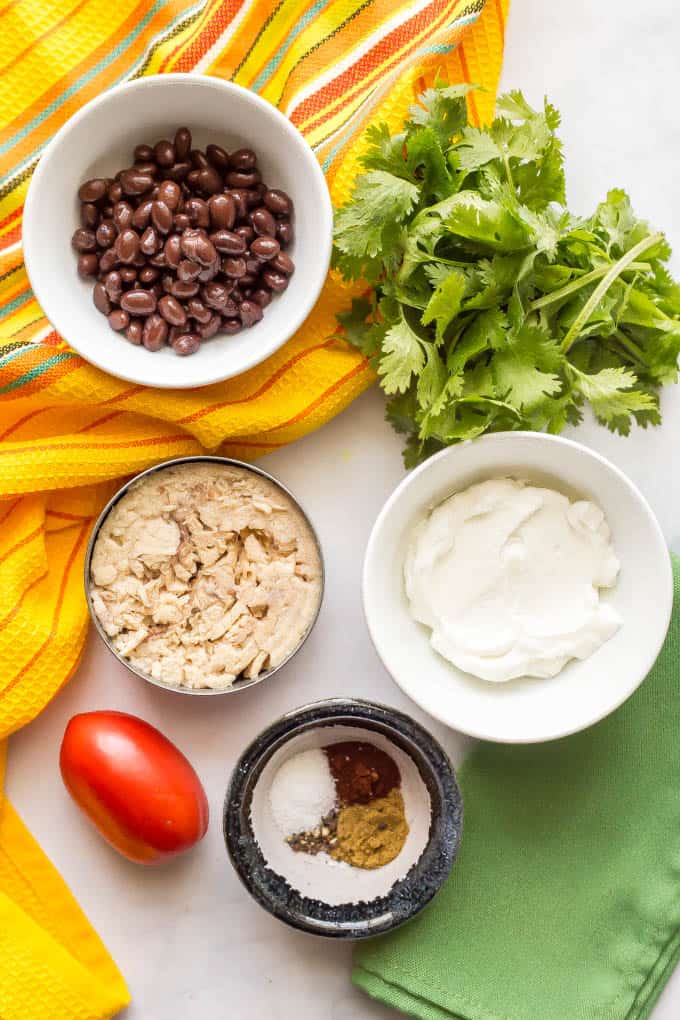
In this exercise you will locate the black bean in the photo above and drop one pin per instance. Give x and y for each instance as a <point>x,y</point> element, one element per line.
<point>122,215</point>
<point>184,289</point>
<point>243,178</point>
<point>234,266</point>
<point>198,212</point>
<point>261,296</point>
<point>217,157</point>
<point>228,242</point>
<point>222,209</point>
<point>198,311</point>
<point>101,299</point>
<point>150,241</point>
<point>188,270</point>
<point>93,190</point>
<point>284,233</point>
<point>164,153</point>
<point>161,217</point>
<point>178,172</point>
<point>239,198</point>
<point>84,240</point>
<point>231,326</point>
<point>182,143</point>
<point>138,302</point>
<point>172,311</point>
<point>283,263</point>
<point>198,247</point>
<point>88,264</point>
<point>106,233</point>
<point>246,232</point>
<point>119,319</point>
<point>255,196</point>
<point>278,202</point>
<point>127,246</point>
<point>143,154</point>
<point>142,215</point>
<point>134,332</point>
<point>209,272</point>
<point>215,295</point>
<point>187,343</point>
<point>243,159</point>
<point>211,327</point>
<point>263,222</point>
<point>170,193</point>
<point>108,260</point>
<point>114,192</point>
<point>149,274</point>
<point>149,169</point>
<point>210,181</point>
<point>155,332</point>
<point>134,183</point>
<point>173,250</point>
<point>265,248</point>
<point>89,215</point>
<point>250,312</point>
<point>275,280</point>
<point>113,283</point>
<point>199,160</point>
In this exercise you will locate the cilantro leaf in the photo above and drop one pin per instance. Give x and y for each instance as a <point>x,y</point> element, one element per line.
<point>525,367</point>
<point>492,308</point>
<point>403,356</point>
<point>379,200</point>
<point>444,304</point>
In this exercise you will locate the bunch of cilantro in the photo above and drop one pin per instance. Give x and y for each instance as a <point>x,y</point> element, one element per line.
<point>491,307</point>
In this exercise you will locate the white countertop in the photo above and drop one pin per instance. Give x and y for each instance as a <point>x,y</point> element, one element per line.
<point>188,938</point>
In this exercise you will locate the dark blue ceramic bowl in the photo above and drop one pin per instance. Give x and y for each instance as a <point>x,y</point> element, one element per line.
<point>408,895</point>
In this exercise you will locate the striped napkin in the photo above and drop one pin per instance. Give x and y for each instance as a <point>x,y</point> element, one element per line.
<point>68,431</point>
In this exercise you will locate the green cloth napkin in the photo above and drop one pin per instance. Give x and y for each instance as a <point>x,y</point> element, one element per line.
<point>564,903</point>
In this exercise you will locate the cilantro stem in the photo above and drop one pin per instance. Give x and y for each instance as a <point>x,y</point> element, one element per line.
<point>614,271</point>
<point>582,281</point>
<point>508,171</point>
<point>631,348</point>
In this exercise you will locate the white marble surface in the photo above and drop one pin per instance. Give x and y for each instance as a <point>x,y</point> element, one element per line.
<point>187,937</point>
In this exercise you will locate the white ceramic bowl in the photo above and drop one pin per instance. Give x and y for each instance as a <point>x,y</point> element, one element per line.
<point>98,141</point>
<point>526,710</point>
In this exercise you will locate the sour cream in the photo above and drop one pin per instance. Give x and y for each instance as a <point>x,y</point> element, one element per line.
<point>507,576</point>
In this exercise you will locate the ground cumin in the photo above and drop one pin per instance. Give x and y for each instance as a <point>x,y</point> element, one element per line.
<point>371,835</point>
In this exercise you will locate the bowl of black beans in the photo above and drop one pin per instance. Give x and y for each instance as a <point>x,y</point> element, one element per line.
<point>177,230</point>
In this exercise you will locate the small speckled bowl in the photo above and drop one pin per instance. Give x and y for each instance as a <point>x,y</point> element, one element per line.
<point>238,685</point>
<point>408,895</point>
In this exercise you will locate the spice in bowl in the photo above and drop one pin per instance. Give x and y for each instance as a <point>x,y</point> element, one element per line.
<point>184,243</point>
<point>205,573</point>
<point>341,819</point>
<point>343,800</point>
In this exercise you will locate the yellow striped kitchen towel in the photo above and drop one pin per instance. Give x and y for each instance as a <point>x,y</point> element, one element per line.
<point>68,431</point>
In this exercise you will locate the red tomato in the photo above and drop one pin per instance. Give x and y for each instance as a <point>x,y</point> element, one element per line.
<point>135,786</point>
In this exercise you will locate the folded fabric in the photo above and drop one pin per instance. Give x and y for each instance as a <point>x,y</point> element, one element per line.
<point>565,901</point>
<point>67,430</point>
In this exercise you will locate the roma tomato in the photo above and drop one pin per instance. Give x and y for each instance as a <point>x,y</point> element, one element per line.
<point>134,785</point>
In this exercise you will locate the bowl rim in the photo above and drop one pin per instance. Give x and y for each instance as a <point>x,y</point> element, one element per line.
<point>323,223</point>
<point>118,495</point>
<point>660,549</point>
<point>438,856</point>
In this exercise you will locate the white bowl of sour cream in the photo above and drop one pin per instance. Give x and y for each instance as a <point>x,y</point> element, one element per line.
<point>517,587</point>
